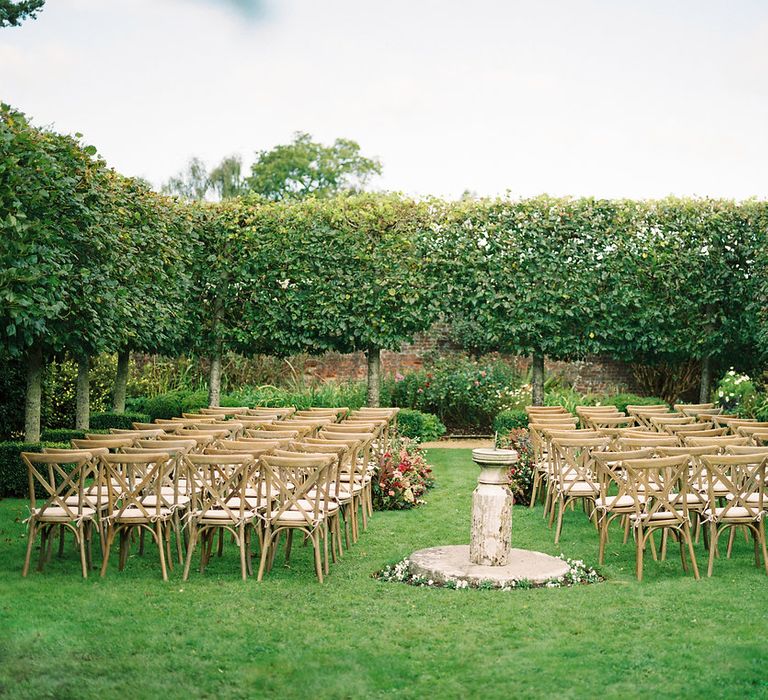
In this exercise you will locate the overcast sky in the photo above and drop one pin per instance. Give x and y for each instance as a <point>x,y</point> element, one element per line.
<point>636,98</point>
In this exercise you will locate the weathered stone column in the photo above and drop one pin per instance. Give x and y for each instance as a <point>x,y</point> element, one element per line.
<point>492,508</point>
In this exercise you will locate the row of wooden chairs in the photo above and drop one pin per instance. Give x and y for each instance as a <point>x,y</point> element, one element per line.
<point>653,479</point>
<point>211,475</point>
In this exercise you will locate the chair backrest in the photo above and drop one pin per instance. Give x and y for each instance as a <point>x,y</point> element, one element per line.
<point>219,482</point>
<point>553,419</point>
<point>110,442</point>
<point>677,428</point>
<point>143,434</point>
<point>746,450</point>
<point>280,411</point>
<point>638,443</point>
<point>274,434</point>
<point>750,429</point>
<point>205,418</point>
<point>202,432</point>
<point>254,449</point>
<point>661,422</point>
<point>682,407</point>
<point>162,445</point>
<point>610,477</point>
<point>574,457</point>
<point>303,485</point>
<point>734,421</point>
<point>60,477</point>
<point>608,420</point>
<point>635,408</point>
<point>199,440</point>
<point>716,441</point>
<point>530,410</point>
<point>689,450</point>
<point>133,477</point>
<point>153,427</point>
<point>736,480</point>
<point>667,479</point>
<point>224,410</point>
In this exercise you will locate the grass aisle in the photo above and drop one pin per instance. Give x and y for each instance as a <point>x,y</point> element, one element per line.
<point>130,635</point>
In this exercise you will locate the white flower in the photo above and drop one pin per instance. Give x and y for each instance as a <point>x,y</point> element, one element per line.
<point>284,283</point>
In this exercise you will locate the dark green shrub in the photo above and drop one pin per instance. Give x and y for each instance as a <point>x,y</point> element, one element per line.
<point>63,435</point>
<point>124,421</point>
<point>165,405</point>
<point>622,400</point>
<point>465,394</point>
<point>14,482</point>
<point>509,420</point>
<point>415,424</point>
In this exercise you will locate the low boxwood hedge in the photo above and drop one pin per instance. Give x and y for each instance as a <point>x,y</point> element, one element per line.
<point>14,482</point>
<point>509,420</point>
<point>123,421</point>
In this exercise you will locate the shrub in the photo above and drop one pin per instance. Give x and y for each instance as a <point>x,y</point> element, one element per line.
<point>415,424</point>
<point>508,420</point>
<point>735,392</point>
<point>465,394</point>
<point>621,401</point>
<point>63,435</point>
<point>402,477</point>
<point>164,405</point>
<point>124,421</point>
<point>14,482</point>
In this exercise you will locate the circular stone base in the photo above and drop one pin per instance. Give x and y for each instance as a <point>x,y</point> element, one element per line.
<point>452,563</point>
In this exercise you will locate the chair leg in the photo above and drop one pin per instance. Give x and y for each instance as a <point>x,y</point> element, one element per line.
<point>691,552</point>
<point>83,556</point>
<point>639,548</point>
<point>30,543</point>
<point>265,547</point>
<point>318,557</point>
<point>44,535</point>
<point>241,542</point>
<point>603,537</point>
<point>288,544</point>
<point>190,548</point>
<point>159,536</point>
<point>731,538</point>
<point>324,535</point>
<point>761,535</point>
<point>559,528</point>
<point>167,544</point>
<point>177,530</point>
<point>62,530</point>
<point>712,547</point>
<point>107,547</point>
<point>248,534</point>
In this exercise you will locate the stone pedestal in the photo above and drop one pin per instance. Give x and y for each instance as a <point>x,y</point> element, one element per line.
<point>491,537</point>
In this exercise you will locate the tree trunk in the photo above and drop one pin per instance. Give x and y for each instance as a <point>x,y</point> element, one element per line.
<point>34,394</point>
<point>537,378</point>
<point>706,380</point>
<point>120,386</point>
<point>214,381</point>
<point>83,394</point>
<point>374,376</point>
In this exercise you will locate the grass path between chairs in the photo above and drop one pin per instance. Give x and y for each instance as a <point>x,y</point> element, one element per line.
<point>130,635</point>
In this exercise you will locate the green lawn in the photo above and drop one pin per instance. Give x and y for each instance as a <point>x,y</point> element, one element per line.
<point>130,635</point>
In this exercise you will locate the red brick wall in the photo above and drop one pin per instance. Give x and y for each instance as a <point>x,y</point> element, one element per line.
<point>593,374</point>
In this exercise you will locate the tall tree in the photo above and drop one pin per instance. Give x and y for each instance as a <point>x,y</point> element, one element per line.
<point>12,14</point>
<point>305,167</point>
<point>226,179</point>
<point>192,183</point>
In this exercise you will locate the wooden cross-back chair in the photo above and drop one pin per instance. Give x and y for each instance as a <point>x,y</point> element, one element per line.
<point>692,409</point>
<point>574,476</point>
<point>721,441</point>
<point>348,492</point>
<point>734,422</point>
<point>659,489</point>
<point>540,454</point>
<point>111,442</point>
<point>358,469</point>
<point>137,503</point>
<point>302,484</point>
<point>225,499</point>
<point>60,479</point>
<point>742,477</point>
<point>269,432</point>
<point>644,416</point>
<point>614,500</point>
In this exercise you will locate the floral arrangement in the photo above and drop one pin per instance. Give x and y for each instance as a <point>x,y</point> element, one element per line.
<point>521,474</point>
<point>578,573</point>
<point>402,476</point>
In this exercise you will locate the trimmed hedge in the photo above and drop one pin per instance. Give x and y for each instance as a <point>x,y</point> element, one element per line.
<point>14,482</point>
<point>509,420</point>
<point>123,421</point>
<point>416,424</point>
<point>622,400</point>
<point>63,435</point>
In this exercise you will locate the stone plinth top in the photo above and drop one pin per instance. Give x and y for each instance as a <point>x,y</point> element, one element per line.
<point>487,455</point>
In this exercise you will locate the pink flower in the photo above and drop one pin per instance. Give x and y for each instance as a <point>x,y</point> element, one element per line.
<point>391,492</point>
<point>399,377</point>
<point>483,373</point>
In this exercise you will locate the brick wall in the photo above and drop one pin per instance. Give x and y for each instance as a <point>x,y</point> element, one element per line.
<point>593,374</point>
